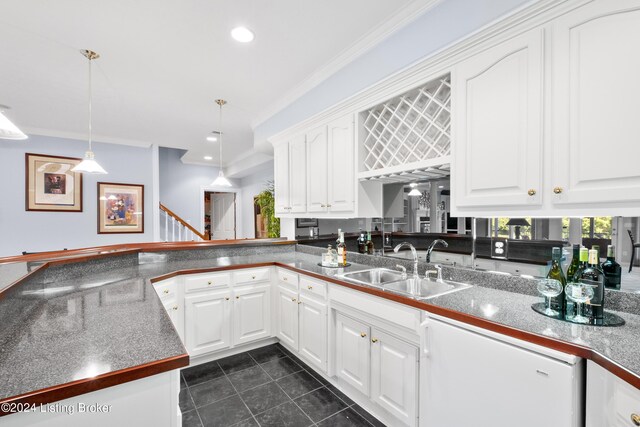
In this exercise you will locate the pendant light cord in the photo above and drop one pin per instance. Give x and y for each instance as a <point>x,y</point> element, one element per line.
<point>220,116</point>
<point>90,99</point>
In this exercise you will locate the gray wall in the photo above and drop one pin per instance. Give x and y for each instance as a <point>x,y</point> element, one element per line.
<point>446,23</point>
<point>251,187</point>
<point>43,231</point>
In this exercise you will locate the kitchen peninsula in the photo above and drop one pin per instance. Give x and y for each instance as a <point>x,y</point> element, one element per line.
<point>117,285</point>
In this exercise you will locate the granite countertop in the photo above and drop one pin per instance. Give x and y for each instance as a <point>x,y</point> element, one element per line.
<point>59,327</point>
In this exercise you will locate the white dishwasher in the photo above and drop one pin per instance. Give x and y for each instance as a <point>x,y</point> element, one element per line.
<point>471,376</point>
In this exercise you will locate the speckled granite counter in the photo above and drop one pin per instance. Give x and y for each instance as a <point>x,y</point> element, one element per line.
<point>74,322</point>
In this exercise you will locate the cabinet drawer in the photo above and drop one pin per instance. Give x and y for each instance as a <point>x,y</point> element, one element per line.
<point>166,290</point>
<point>313,287</point>
<point>200,282</point>
<point>287,277</point>
<point>252,276</point>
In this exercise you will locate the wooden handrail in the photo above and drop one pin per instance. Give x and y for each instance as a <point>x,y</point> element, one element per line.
<point>182,221</point>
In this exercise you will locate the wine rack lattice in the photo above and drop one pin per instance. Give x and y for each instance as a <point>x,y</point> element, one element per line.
<point>409,128</point>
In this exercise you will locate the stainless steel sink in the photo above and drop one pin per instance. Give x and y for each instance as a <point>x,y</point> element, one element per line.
<point>395,281</point>
<point>373,277</point>
<point>425,288</point>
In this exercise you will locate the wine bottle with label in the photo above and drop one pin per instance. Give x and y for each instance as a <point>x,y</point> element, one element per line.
<point>342,250</point>
<point>611,269</point>
<point>338,239</point>
<point>575,263</point>
<point>594,277</point>
<point>369,248</point>
<point>556,273</point>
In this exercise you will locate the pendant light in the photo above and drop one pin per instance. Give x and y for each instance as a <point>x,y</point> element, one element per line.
<point>89,164</point>
<point>221,181</point>
<point>414,190</point>
<point>7,129</point>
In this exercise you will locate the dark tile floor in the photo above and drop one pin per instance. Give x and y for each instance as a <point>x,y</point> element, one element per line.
<point>267,386</point>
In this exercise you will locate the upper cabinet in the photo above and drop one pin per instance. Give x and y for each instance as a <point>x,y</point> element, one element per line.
<point>498,125</point>
<point>281,177</point>
<point>341,195</point>
<point>544,123</point>
<point>290,175</point>
<point>595,105</point>
<point>318,168</point>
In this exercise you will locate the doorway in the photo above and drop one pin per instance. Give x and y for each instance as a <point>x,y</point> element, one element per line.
<point>219,215</point>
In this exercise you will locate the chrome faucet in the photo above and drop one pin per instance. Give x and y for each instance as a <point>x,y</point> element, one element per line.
<point>432,245</point>
<point>413,252</point>
<point>437,271</point>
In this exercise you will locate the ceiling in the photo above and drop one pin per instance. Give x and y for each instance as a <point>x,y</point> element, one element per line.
<point>163,62</point>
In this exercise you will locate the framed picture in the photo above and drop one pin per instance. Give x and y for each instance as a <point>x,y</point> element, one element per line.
<point>306,222</point>
<point>50,184</point>
<point>120,208</point>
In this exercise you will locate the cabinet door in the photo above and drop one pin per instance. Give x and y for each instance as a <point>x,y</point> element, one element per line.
<point>394,376</point>
<point>317,169</point>
<point>342,181</point>
<point>596,99</point>
<point>176,315</point>
<point>288,316</point>
<point>298,175</point>
<point>496,383</point>
<point>497,125</point>
<point>281,177</point>
<point>251,314</point>
<point>313,331</point>
<point>207,321</point>
<point>352,348</point>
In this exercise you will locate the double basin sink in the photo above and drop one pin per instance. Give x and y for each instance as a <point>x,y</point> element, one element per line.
<point>395,281</point>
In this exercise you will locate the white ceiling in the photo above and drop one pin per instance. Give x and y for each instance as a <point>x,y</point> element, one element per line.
<point>163,62</point>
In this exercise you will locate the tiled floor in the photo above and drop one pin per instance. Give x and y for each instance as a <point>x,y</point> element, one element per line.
<point>264,387</point>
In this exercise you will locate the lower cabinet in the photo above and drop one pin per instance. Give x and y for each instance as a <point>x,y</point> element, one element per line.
<point>287,323</point>
<point>378,365</point>
<point>251,313</point>
<point>312,323</point>
<point>611,402</point>
<point>208,322</point>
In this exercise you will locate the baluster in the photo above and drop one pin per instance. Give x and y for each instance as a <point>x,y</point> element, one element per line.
<point>173,229</point>
<point>180,227</point>
<point>166,226</point>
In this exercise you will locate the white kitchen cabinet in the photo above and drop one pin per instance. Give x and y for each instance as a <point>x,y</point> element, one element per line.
<point>611,402</point>
<point>208,322</point>
<point>497,121</point>
<point>297,175</point>
<point>352,357</point>
<point>511,267</point>
<point>342,181</point>
<point>251,313</point>
<point>290,174</point>
<point>287,319</point>
<point>448,258</point>
<point>176,314</point>
<point>394,376</point>
<point>281,178</point>
<point>313,331</point>
<point>596,98</point>
<point>317,169</point>
<point>467,373</point>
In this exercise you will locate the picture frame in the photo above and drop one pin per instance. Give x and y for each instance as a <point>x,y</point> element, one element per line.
<point>50,185</point>
<point>306,222</point>
<point>120,208</point>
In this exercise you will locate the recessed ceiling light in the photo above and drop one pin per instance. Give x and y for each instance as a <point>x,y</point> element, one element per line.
<point>212,138</point>
<point>440,186</point>
<point>208,158</point>
<point>242,34</point>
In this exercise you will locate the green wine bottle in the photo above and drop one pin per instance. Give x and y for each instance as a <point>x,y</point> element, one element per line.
<point>575,262</point>
<point>611,269</point>
<point>558,302</point>
<point>594,277</point>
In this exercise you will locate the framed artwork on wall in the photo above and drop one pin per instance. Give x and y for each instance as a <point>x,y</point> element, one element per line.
<point>120,208</point>
<point>51,186</point>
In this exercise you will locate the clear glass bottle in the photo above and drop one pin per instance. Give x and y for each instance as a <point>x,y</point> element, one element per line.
<point>611,269</point>
<point>558,302</point>
<point>342,250</point>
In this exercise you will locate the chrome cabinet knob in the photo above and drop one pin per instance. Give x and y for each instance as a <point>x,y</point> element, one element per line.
<point>209,283</point>
<point>253,277</point>
<point>557,190</point>
<point>227,298</point>
<point>531,192</point>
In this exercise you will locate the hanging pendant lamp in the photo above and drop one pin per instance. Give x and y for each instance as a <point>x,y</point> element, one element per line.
<point>221,181</point>
<point>89,164</point>
<point>7,129</point>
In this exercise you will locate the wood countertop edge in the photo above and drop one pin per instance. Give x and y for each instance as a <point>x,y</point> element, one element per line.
<point>87,385</point>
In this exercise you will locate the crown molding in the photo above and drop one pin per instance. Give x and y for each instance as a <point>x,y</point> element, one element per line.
<point>528,16</point>
<point>83,137</point>
<point>365,43</point>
